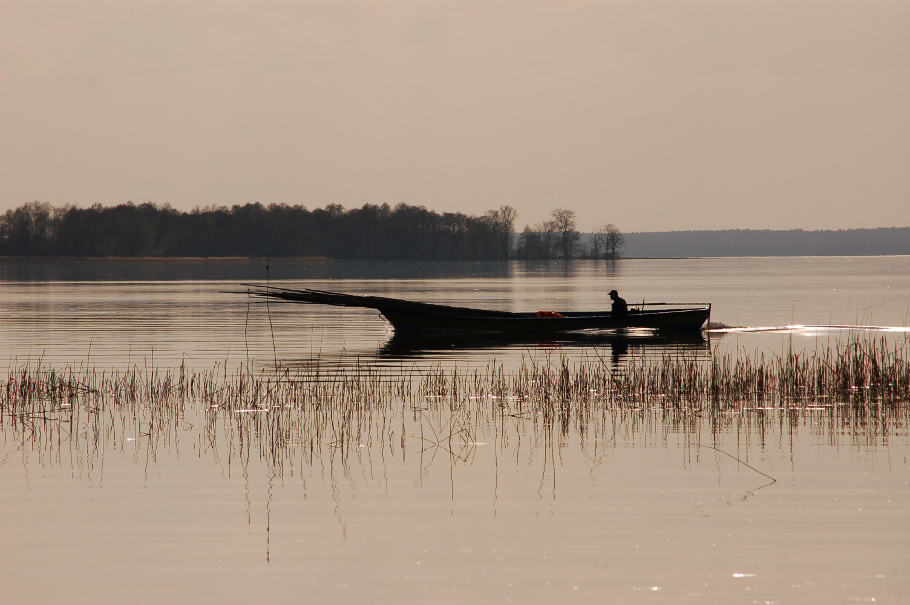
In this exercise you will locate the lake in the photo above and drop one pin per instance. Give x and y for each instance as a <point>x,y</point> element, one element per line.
<point>364,493</point>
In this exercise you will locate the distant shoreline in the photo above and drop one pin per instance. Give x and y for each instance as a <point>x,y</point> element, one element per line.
<point>729,243</point>
<point>322,259</point>
<point>883,241</point>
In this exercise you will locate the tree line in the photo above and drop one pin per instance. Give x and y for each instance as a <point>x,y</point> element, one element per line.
<point>279,230</point>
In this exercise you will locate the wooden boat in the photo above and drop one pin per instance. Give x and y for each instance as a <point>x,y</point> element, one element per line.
<point>409,316</point>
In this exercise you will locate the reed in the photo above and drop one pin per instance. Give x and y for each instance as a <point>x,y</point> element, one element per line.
<point>314,411</point>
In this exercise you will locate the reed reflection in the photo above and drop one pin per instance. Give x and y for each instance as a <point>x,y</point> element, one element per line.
<point>615,345</point>
<point>362,416</point>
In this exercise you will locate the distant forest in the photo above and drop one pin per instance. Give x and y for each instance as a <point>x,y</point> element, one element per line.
<point>253,230</point>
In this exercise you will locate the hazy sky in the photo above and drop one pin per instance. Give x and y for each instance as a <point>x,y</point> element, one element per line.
<point>653,115</point>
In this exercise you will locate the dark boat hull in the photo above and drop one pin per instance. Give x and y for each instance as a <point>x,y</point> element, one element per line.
<point>410,316</point>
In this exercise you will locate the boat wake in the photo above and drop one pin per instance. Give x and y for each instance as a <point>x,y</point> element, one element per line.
<point>806,329</point>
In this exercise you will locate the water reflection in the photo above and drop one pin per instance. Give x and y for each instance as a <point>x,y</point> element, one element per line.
<point>615,345</point>
<point>241,269</point>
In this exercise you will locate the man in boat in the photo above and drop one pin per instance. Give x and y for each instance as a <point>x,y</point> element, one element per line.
<point>619,304</point>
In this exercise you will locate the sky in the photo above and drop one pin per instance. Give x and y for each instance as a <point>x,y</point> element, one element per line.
<point>652,115</point>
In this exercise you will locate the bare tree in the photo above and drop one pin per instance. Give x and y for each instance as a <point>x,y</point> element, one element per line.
<point>616,241</point>
<point>609,241</point>
<point>597,245</point>
<point>567,231</point>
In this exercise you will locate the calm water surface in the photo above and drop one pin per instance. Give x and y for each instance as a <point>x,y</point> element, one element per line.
<point>638,505</point>
<point>164,314</point>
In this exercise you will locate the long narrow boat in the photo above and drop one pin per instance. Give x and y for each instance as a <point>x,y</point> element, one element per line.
<point>409,316</point>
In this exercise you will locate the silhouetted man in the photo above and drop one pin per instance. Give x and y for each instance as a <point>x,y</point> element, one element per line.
<point>619,304</point>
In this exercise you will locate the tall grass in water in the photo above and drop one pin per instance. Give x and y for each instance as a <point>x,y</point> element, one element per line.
<point>851,373</point>
<point>309,411</point>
